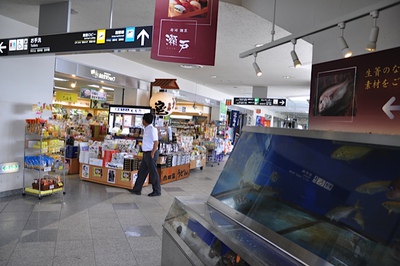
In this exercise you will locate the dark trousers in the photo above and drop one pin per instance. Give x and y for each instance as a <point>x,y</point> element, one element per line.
<point>148,166</point>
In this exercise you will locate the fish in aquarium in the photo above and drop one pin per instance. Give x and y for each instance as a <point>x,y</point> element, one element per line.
<point>358,217</point>
<point>373,187</point>
<point>342,212</point>
<point>392,206</point>
<point>349,153</point>
<point>393,192</point>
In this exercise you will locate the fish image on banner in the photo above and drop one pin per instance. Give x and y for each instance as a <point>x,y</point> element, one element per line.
<point>371,188</point>
<point>342,212</point>
<point>336,93</point>
<point>348,153</point>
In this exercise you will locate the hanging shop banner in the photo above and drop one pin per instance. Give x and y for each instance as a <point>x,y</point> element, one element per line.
<point>93,40</point>
<point>66,96</point>
<point>234,119</point>
<point>222,111</point>
<point>185,31</point>
<point>357,94</point>
<point>98,95</point>
<point>85,93</point>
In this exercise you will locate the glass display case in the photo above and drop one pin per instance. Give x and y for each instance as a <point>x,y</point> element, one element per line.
<point>322,197</point>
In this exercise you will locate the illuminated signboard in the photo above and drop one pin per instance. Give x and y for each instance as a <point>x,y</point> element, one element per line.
<point>259,101</point>
<point>6,168</point>
<point>102,39</point>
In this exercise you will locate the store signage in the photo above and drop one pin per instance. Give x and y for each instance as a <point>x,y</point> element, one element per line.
<point>102,75</point>
<point>6,168</point>
<point>259,101</point>
<point>185,33</point>
<point>95,40</point>
<point>66,97</point>
<point>129,110</point>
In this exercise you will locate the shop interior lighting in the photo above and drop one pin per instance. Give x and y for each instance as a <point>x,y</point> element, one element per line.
<point>373,36</point>
<point>107,88</point>
<point>342,42</point>
<point>73,84</point>
<point>295,58</point>
<point>62,88</point>
<point>256,67</point>
<point>94,86</point>
<point>60,79</point>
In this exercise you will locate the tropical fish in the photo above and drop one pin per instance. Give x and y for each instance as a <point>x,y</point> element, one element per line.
<point>268,191</point>
<point>392,206</point>
<point>332,95</point>
<point>348,153</point>
<point>358,217</point>
<point>342,212</point>
<point>393,192</point>
<point>373,187</point>
<point>274,176</point>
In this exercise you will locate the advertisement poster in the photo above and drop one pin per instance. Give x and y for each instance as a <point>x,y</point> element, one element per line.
<point>185,31</point>
<point>85,171</point>
<point>97,172</point>
<point>111,174</point>
<point>126,176</point>
<point>357,94</point>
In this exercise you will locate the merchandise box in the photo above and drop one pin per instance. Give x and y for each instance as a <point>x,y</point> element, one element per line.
<point>96,162</point>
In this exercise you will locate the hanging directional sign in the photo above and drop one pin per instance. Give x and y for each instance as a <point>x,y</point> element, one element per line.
<point>95,40</point>
<point>259,101</point>
<point>6,168</point>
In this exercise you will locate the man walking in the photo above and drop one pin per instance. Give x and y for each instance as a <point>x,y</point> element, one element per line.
<point>148,165</point>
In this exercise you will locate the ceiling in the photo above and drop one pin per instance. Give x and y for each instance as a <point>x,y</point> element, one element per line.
<point>241,25</point>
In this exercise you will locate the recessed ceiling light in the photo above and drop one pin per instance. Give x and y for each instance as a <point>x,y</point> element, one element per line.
<point>62,88</point>
<point>213,77</point>
<point>107,88</point>
<point>94,86</point>
<point>187,66</point>
<point>286,77</point>
<point>259,45</point>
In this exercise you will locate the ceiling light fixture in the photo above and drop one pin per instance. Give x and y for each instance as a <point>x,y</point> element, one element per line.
<point>73,85</point>
<point>94,86</point>
<point>342,42</point>
<point>59,79</point>
<point>188,66</point>
<point>107,88</point>
<point>62,88</point>
<point>256,67</point>
<point>373,36</point>
<point>296,61</point>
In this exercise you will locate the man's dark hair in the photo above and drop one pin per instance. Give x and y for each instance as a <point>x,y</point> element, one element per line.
<point>89,115</point>
<point>148,118</point>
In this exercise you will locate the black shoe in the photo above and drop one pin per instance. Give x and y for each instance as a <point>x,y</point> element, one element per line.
<point>154,194</point>
<point>135,192</point>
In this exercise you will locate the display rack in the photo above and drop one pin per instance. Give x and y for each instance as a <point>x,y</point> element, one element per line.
<point>37,150</point>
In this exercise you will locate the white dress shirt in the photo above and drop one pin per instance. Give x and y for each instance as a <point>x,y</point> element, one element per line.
<point>149,136</point>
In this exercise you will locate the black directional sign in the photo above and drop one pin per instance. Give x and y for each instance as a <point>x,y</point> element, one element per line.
<point>96,40</point>
<point>259,101</point>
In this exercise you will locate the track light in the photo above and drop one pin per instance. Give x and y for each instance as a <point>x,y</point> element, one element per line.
<point>342,42</point>
<point>296,61</point>
<point>73,84</point>
<point>373,36</point>
<point>256,67</point>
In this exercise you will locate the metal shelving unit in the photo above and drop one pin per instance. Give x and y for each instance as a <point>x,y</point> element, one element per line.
<point>34,146</point>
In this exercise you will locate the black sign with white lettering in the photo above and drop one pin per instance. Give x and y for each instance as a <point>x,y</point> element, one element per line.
<point>103,39</point>
<point>259,101</point>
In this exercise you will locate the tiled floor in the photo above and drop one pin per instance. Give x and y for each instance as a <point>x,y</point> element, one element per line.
<point>92,224</point>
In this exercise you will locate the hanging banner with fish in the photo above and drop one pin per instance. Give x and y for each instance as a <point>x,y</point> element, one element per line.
<point>358,94</point>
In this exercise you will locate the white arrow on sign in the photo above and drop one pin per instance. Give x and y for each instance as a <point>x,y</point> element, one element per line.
<point>282,102</point>
<point>143,34</point>
<point>388,107</point>
<point>2,47</point>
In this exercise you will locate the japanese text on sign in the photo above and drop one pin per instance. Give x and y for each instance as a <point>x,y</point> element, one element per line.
<point>382,77</point>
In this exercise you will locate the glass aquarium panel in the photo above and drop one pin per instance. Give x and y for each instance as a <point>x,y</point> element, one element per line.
<point>339,200</point>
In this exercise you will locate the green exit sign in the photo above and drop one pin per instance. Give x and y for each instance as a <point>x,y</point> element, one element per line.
<point>6,168</point>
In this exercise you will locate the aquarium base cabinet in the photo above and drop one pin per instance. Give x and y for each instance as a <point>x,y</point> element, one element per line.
<point>296,197</point>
